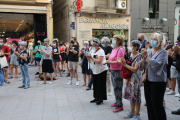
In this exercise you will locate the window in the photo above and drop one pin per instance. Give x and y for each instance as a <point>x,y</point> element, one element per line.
<point>153,8</point>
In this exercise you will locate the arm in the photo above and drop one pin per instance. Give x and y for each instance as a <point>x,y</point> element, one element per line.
<point>99,60</point>
<point>107,56</point>
<point>74,51</point>
<point>120,54</point>
<point>24,57</point>
<point>133,69</point>
<point>35,50</point>
<point>8,52</point>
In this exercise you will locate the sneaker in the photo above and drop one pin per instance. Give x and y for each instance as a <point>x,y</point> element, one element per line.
<point>171,93</point>
<point>61,75</point>
<point>50,83</point>
<point>177,95</point>
<point>37,73</point>
<point>114,105</point>
<point>136,117</point>
<point>77,83</point>
<point>69,83</point>
<point>118,109</point>
<point>26,87</point>
<point>20,79</point>
<point>55,76</point>
<point>6,81</point>
<point>129,115</point>
<point>64,70</point>
<point>93,101</point>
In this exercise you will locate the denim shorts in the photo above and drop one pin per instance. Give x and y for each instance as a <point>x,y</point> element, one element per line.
<point>38,59</point>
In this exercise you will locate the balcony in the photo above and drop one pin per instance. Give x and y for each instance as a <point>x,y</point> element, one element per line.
<point>101,6</point>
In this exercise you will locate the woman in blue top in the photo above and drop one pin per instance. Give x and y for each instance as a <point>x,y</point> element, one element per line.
<point>156,61</point>
<point>23,65</point>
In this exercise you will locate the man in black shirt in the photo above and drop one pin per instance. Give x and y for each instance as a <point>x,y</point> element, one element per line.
<point>73,61</point>
<point>105,41</point>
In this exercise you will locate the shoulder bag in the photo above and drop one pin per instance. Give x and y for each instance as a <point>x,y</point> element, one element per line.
<point>3,62</point>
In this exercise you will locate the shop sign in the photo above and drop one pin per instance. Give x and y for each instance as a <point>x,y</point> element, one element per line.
<point>104,23</point>
<point>114,26</point>
<point>146,26</point>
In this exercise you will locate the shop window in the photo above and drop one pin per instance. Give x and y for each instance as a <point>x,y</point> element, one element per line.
<point>153,8</point>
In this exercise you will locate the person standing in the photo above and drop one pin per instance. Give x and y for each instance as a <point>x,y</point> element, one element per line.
<point>97,58</point>
<point>143,41</point>
<point>63,55</point>
<point>132,90</point>
<point>105,41</point>
<point>38,56</point>
<point>46,53</point>
<point>13,60</point>
<point>56,61</point>
<point>116,78</point>
<point>6,51</point>
<point>23,65</point>
<point>156,61</point>
<point>1,72</point>
<point>73,62</point>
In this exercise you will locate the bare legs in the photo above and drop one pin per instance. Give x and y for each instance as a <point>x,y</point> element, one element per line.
<point>45,77</point>
<point>11,69</point>
<point>173,84</point>
<point>84,77</point>
<point>38,66</point>
<point>5,73</point>
<point>169,82</point>
<point>72,73</point>
<point>137,106</point>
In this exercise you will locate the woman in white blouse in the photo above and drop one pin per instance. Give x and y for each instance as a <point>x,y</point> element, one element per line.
<point>99,72</point>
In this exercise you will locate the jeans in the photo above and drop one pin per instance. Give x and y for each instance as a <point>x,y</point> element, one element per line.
<point>154,94</point>
<point>91,82</point>
<point>178,81</point>
<point>25,75</point>
<point>1,77</point>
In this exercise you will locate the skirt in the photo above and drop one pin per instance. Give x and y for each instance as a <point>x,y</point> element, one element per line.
<point>63,56</point>
<point>99,86</point>
<point>47,66</point>
<point>13,60</point>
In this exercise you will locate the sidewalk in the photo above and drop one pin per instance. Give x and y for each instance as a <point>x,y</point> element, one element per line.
<point>60,101</point>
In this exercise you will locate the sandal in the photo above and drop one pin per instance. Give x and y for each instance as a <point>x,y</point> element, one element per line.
<point>88,88</point>
<point>6,81</point>
<point>10,77</point>
<point>43,83</point>
<point>84,85</point>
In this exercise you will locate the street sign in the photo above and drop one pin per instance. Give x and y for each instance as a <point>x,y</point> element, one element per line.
<point>72,26</point>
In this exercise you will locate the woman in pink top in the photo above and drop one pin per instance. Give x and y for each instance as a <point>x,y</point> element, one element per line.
<point>117,80</point>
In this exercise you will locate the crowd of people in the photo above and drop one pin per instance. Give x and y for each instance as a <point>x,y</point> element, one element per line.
<point>105,64</point>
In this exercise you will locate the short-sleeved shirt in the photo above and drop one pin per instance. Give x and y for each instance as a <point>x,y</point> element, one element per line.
<point>38,55</point>
<point>98,68</point>
<point>55,50</point>
<point>107,50</point>
<point>6,49</point>
<point>73,57</point>
<point>44,56</point>
<point>22,61</point>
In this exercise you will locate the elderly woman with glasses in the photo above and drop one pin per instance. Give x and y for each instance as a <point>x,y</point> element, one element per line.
<point>46,52</point>
<point>156,61</point>
<point>23,65</point>
<point>99,72</point>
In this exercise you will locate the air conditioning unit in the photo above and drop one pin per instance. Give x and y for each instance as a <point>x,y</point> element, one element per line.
<point>120,4</point>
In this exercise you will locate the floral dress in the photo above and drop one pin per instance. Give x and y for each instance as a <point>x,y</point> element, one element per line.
<point>132,90</point>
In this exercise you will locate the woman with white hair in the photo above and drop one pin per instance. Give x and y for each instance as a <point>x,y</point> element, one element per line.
<point>99,72</point>
<point>155,85</point>
<point>46,52</point>
<point>23,65</point>
<point>132,90</point>
<point>105,42</point>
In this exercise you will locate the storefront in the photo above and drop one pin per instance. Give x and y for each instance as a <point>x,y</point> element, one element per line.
<point>101,26</point>
<point>26,19</point>
<point>177,25</point>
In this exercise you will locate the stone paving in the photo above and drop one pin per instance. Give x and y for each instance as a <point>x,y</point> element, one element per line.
<point>60,101</point>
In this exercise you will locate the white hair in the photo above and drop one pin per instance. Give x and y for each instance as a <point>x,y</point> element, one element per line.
<point>86,42</point>
<point>161,39</point>
<point>55,39</point>
<point>46,39</point>
<point>23,43</point>
<point>95,42</point>
<point>105,39</point>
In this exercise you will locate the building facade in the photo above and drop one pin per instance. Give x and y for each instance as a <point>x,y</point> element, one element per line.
<point>108,17</point>
<point>99,18</point>
<point>148,16</point>
<point>26,17</point>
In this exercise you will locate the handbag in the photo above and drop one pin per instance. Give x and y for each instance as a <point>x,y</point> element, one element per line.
<point>3,62</point>
<point>81,61</point>
<point>126,73</point>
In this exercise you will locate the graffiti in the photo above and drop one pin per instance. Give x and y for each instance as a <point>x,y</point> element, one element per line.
<point>40,33</point>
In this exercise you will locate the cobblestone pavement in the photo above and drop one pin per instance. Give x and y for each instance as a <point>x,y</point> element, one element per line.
<point>60,101</point>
